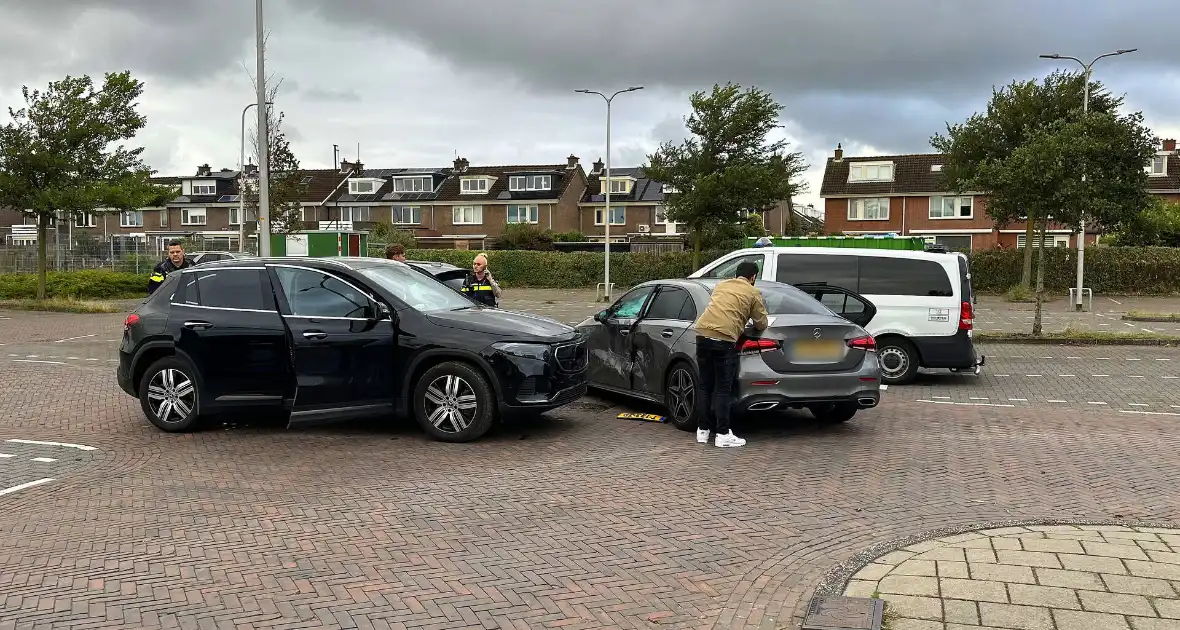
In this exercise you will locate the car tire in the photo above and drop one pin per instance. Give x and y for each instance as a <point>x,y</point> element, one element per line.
<point>170,395</point>
<point>453,402</point>
<point>680,396</point>
<point>833,413</point>
<point>898,359</point>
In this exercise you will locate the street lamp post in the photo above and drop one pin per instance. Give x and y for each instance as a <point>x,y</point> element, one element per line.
<point>263,139</point>
<point>242,181</point>
<point>1087,67</point>
<point>606,214</point>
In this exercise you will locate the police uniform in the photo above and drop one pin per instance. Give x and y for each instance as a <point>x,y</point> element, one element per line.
<point>482,291</point>
<point>162,270</point>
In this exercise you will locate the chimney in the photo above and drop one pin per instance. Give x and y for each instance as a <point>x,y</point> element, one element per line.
<point>204,170</point>
<point>346,166</point>
<point>461,164</point>
<point>251,169</point>
<point>359,166</point>
<point>839,154</point>
<point>466,163</point>
<point>1170,144</point>
<point>597,167</point>
<point>571,162</point>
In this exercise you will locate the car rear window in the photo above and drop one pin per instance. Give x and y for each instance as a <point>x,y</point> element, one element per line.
<point>791,301</point>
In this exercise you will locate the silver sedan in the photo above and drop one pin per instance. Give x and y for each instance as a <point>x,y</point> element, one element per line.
<point>809,357</point>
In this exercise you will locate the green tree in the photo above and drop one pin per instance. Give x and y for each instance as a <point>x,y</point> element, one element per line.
<point>286,189</point>
<point>1029,161</point>
<point>1157,226</point>
<point>63,153</point>
<point>728,164</point>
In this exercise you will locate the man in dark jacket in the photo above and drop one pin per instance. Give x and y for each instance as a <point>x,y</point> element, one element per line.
<point>479,285</point>
<point>175,260</point>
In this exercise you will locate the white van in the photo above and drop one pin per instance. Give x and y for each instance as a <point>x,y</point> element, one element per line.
<point>924,299</point>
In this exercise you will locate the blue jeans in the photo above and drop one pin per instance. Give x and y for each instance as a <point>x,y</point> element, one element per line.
<point>717,362</point>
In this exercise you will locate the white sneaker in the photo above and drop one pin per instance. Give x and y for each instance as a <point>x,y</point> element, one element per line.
<point>728,440</point>
<point>703,436</point>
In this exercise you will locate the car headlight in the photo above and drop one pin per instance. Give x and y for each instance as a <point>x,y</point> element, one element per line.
<point>537,351</point>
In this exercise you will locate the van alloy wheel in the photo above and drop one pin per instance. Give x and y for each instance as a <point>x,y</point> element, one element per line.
<point>172,396</point>
<point>451,404</point>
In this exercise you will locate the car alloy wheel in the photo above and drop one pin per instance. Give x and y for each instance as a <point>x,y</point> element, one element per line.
<point>682,395</point>
<point>172,396</point>
<point>451,404</point>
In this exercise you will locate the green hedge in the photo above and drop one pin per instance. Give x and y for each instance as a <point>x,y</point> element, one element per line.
<point>1110,270</point>
<point>86,285</point>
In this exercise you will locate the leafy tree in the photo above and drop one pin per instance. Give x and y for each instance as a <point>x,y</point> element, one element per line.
<point>1158,226</point>
<point>1028,153</point>
<point>729,163</point>
<point>286,180</point>
<point>62,154</point>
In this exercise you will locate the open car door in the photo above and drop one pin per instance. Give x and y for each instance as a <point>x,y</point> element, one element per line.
<point>847,304</point>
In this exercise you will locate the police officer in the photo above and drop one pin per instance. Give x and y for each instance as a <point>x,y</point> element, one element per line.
<point>176,260</point>
<point>479,285</point>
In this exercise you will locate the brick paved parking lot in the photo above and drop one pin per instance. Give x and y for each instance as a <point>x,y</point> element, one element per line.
<point>576,520</point>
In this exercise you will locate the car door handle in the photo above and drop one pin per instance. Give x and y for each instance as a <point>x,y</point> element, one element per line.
<point>315,334</point>
<point>667,333</point>
<point>624,332</point>
<point>198,325</point>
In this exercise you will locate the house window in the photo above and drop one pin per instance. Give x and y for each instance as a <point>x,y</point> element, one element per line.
<point>871,172</point>
<point>309,214</point>
<point>530,182</point>
<point>467,215</point>
<point>131,218</point>
<point>523,214</point>
<point>876,209</point>
<point>163,218</point>
<point>618,216</point>
<point>474,186</point>
<point>1159,166</point>
<point>233,216</point>
<point>204,189</point>
<point>85,220</point>
<point>619,186</point>
<point>192,216</point>
<point>1051,240</point>
<point>662,215</point>
<point>354,213</point>
<point>413,184</point>
<point>950,207</point>
<point>407,215</point>
<point>360,188</point>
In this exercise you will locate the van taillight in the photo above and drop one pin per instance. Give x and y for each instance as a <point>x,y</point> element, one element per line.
<point>966,316</point>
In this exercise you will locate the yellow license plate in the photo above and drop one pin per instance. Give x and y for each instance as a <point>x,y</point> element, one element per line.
<point>650,417</point>
<point>817,350</point>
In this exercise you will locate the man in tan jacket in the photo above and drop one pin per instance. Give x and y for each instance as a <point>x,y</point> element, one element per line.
<point>733,303</point>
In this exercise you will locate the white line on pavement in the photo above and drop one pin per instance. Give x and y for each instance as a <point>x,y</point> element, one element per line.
<point>81,447</point>
<point>1149,413</point>
<point>38,361</point>
<point>1138,405</point>
<point>1017,400</point>
<point>1092,402</point>
<point>1066,375</point>
<point>1134,359</point>
<point>1053,400</point>
<point>25,485</point>
<point>6,455</point>
<point>1099,375</point>
<point>966,404</point>
<point>74,338</point>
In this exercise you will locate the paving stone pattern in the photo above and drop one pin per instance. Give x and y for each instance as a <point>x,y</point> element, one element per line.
<point>1053,577</point>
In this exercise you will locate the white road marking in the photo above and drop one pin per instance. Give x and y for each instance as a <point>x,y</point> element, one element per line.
<point>1169,377</point>
<point>1147,330</point>
<point>81,447</point>
<point>1099,375</point>
<point>1073,357</point>
<point>1066,375</point>
<point>948,402</point>
<point>999,375</point>
<point>1032,375</point>
<point>1149,413</point>
<point>1017,400</point>
<point>1056,401</point>
<point>979,398</point>
<point>1095,403</point>
<point>1129,324</point>
<point>1134,359</point>
<point>1134,376</point>
<point>44,460</point>
<point>25,485</point>
<point>92,359</point>
<point>942,397</point>
<point>1046,357</point>
<point>73,338</point>
<point>32,356</point>
<point>1115,301</point>
<point>1163,359</point>
<point>38,361</point>
<point>6,455</point>
<point>1103,358</point>
<point>1138,405</point>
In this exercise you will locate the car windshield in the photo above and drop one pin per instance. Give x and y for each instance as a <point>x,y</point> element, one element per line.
<point>788,300</point>
<point>417,290</point>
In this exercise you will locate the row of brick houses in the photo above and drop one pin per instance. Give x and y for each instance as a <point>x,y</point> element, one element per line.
<point>462,206</point>
<point>903,194</point>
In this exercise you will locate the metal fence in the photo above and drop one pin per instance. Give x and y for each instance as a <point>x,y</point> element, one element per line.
<point>117,253</point>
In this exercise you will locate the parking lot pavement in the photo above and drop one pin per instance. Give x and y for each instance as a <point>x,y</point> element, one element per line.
<point>577,519</point>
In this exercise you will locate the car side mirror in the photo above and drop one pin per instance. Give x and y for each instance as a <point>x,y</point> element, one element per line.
<point>382,311</point>
<point>600,317</point>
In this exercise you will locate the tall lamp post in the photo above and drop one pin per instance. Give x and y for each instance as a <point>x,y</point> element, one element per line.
<point>606,214</point>
<point>263,139</point>
<point>1087,67</point>
<point>242,182</point>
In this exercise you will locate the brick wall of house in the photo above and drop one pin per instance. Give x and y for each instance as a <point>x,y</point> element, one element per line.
<point>634,215</point>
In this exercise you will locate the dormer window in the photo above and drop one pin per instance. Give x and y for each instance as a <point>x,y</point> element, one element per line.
<point>870,172</point>
<point>1158,166</point>
<point>518,183</point>
<point>935,168</point>
<point>204,187</point>
<point>364,186</point>
<point>413,184</point>
<point>668,189</point>
<point>618,186</point>
<point>474,185</point>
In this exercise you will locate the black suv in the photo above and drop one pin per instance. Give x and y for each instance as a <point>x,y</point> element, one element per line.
<point>337,338</point>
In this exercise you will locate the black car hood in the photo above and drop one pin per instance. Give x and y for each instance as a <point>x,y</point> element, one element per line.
<point>508,324</point>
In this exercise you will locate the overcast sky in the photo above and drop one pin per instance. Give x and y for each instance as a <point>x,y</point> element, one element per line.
<point>415,82</point>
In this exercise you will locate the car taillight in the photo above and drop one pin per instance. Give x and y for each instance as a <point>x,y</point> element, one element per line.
<point>758,345</point>
<point>131,320</point>
<point>966,316</point>
<point>866,343</point>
